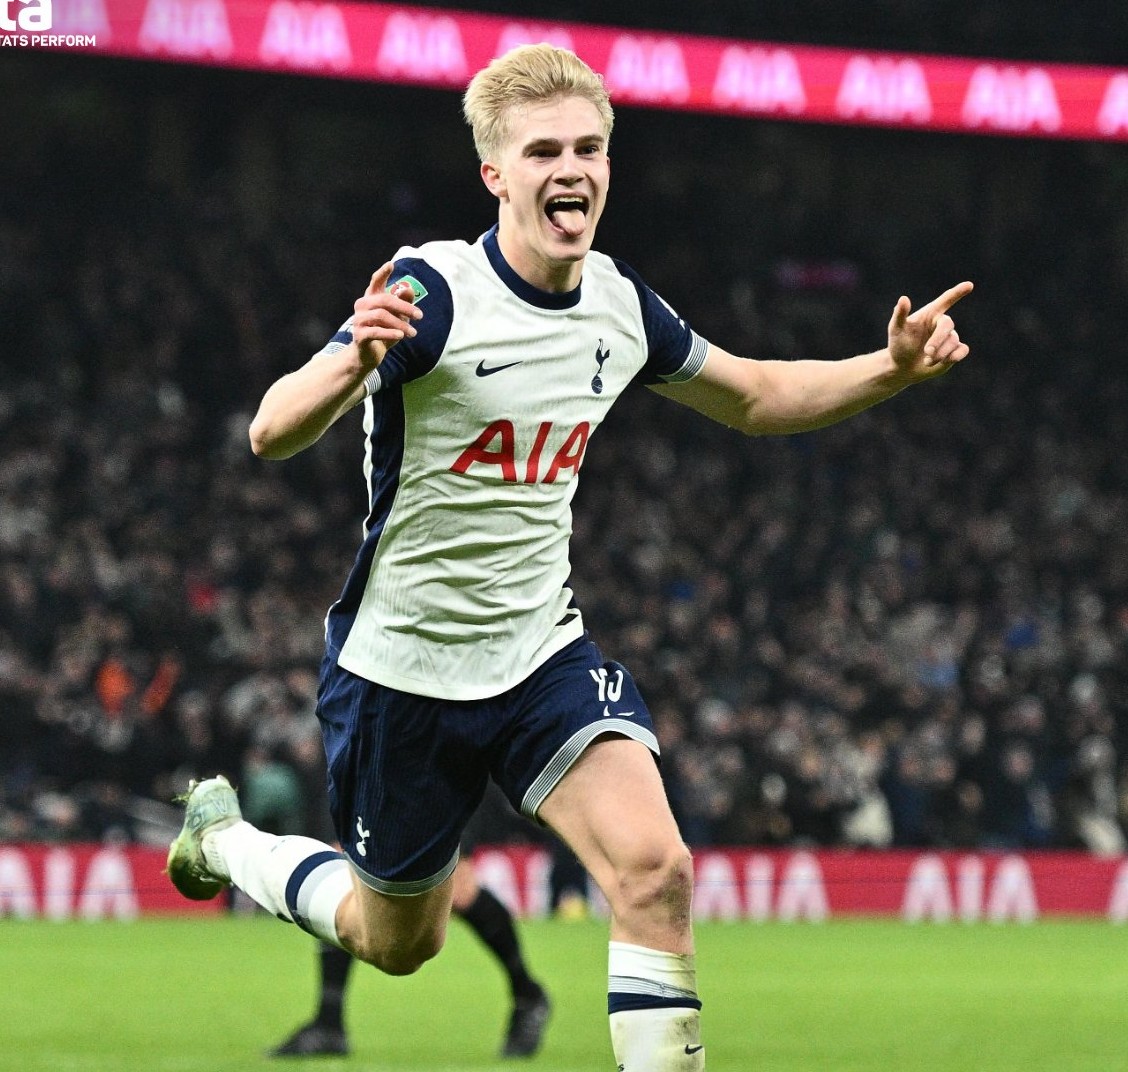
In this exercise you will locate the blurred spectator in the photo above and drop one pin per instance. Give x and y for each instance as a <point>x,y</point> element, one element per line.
<point>1089,800</point>
<point>1018,812</point>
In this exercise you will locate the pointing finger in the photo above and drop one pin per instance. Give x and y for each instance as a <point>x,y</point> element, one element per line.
<point>949,298</point>
<point>379,279</point>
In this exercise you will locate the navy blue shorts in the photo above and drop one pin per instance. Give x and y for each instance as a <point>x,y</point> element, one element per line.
<point>406,772</point>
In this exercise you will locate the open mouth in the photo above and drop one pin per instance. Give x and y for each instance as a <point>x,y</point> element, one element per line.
<point>567,213</point>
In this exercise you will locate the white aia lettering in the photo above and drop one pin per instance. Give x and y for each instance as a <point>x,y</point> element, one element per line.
<point>186,28</point>
<point>799,893</point>
<point>759,80</point>
<point>306,35</point>
<point>422,46</point>
<point>1008,895</point>
<point>647,70</point>
<point>520,33</point>
<point>883,89</point>
<point>82,17</point>
<point>107,888</point>
<point>1113,117</point>
<point>1010,98</point>
<point>520,880</point>
<point>1118,898</point>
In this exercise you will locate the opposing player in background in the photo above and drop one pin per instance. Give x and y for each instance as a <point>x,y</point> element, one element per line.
<point>492,923</point>
<point>456,651</point>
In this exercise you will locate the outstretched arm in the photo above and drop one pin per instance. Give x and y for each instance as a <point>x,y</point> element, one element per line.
<point>771,397</point>
<point>298,408</point>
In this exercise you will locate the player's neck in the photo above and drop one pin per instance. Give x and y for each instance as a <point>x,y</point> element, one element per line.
<point>552,276</point>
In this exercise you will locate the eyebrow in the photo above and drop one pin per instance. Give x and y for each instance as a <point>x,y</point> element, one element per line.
<point>556,143</point>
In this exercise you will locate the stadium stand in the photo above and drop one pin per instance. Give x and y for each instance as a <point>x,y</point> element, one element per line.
<point>910,629</point>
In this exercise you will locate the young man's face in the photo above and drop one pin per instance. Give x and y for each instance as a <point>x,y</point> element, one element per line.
<point>551,178</point>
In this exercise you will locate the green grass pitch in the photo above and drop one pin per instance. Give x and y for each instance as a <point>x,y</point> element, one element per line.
<point>180,995</point>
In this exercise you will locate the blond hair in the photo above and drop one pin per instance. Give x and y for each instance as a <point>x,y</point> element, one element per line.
<point>528,74</point>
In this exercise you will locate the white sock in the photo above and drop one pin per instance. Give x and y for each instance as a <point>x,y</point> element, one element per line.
<point>294,878</point>
<point>654,1010</point>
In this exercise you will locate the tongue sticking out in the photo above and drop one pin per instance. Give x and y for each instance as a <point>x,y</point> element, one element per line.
<point>569,220</point>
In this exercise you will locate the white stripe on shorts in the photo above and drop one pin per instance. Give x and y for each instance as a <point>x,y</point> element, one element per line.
<point>571,750</point>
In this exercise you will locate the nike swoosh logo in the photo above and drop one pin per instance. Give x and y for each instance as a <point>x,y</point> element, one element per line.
<point>694,1049</point>
<point>608,713</point>
<point>482,370</point>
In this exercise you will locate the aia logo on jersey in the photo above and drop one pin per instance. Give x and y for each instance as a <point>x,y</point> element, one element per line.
<point>601,355</point>
<point>497,446</point>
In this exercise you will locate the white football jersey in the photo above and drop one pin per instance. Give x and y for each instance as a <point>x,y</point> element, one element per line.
<point>476,430</point>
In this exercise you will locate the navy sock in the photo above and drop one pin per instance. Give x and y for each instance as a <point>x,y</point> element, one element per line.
<point>335,967</point>
<point>491,921</point>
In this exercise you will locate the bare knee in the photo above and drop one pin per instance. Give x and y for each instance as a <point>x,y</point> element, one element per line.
<point>405,960</point>
<point>388,945</point>
<point>656,886</point>
<point>395,935</point>
<point>397,956</point>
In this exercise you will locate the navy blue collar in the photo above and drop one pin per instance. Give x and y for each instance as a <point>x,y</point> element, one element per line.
<point>545,299</point>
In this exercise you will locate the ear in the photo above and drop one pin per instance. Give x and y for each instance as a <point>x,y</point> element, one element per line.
<point>494,181</point>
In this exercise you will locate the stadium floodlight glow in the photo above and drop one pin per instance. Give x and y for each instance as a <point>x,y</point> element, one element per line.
<point>443,48</point>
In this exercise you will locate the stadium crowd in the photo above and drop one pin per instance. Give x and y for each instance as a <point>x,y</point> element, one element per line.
<point>910,629</point>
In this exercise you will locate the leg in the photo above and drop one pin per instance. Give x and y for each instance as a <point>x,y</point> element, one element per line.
<point>303,881</point>
<point>492,923</point>
<point>567,883</point>
<point>397,934</point>
<point>611,809</point>
<point>324,1035</point>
